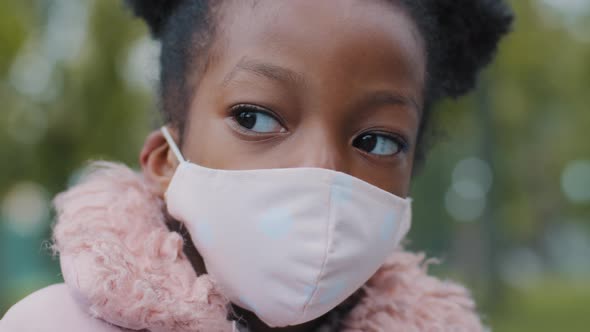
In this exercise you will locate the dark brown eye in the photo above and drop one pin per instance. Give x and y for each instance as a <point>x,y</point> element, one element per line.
<point>256,120</point>
<point>246,119</point>
<point>378,144</point>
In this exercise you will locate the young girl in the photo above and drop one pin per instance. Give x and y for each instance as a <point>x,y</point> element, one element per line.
<point>276,195</point>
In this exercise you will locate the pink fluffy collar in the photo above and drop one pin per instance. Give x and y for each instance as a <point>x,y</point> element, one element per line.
<point>124,266</point>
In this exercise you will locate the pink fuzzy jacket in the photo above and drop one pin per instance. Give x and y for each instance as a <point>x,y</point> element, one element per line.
<point>124,270</point>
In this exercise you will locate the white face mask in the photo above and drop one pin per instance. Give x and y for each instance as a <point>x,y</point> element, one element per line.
<point>288,244</point>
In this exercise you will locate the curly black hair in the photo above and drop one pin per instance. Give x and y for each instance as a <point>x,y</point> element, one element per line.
<point>461,37</point>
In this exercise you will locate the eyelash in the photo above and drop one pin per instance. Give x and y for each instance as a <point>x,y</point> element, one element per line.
<point>404,146</point>
<point>239,108</point>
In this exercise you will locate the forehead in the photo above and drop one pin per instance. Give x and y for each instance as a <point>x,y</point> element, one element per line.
<point>325,40</point>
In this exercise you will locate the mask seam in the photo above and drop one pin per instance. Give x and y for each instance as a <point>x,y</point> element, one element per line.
<point>325,259</point>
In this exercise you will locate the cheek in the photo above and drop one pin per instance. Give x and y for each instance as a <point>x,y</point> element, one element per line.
<point>395,180</point>
<point>403,181</point>
<point>205,143</point>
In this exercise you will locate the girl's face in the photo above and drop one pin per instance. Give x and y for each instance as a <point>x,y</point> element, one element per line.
<point>325,84</point>
<point>297,83</point>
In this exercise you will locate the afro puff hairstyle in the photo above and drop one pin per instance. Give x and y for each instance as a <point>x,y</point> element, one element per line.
<point>461,38</point>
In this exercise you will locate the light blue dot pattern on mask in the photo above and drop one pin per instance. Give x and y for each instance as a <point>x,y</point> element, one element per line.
<point>276,223</point>
<point>332,293</point>
<point>389,226</point>
<point>204,233</point>
<point>248,305</point>
<point>341,190</point>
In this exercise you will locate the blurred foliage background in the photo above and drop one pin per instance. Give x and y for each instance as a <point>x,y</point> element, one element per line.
<point>504,199</point>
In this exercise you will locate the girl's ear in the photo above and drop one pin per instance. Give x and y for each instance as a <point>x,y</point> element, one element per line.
<point>158,161</point>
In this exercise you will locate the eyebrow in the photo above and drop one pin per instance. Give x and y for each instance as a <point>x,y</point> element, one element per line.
<point>385,97</point>
<point>267,70</point>
<point>293,78</point>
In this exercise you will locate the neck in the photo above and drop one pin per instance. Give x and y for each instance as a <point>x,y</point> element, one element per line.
<point>254,324</point>
<point>189,249</point>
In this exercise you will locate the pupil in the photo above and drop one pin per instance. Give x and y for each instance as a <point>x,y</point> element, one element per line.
<point>367,142</point>
<point>247,119</point>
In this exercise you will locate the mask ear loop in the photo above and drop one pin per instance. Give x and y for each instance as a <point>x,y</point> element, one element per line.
<point>172,144</point>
